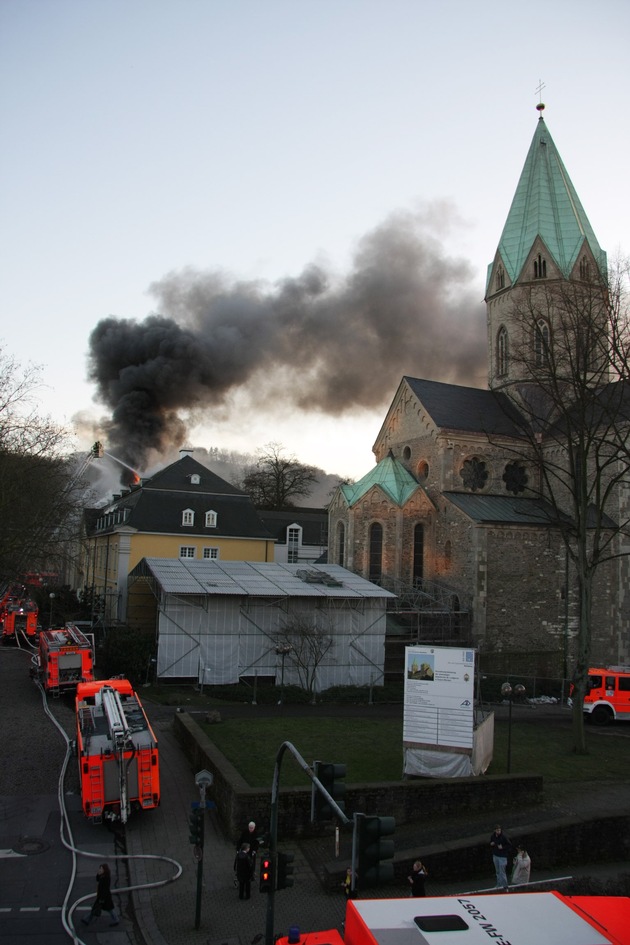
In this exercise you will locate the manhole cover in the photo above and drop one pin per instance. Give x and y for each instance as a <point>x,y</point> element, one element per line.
<point>30,846</point>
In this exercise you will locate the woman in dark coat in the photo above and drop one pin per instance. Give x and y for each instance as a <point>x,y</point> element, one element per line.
<point>103,899</point>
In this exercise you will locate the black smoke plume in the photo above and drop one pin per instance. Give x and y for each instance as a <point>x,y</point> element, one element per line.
<point>315,342</point>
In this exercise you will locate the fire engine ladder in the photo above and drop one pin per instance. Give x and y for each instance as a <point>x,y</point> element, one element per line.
<point>97,792</point>
<point>145,777</point>
<point>119,733</point>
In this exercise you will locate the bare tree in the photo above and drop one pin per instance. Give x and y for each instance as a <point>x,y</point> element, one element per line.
<point>570,385</point>
<point>277,479</point>
<point>35,501</point>
<point>305,644</point>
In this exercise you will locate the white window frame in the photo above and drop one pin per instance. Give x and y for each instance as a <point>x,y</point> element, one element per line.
<point>294,543</point>
<point>188,518</point>
<point>195,479</point>
<point>211,519</point>
<point>185,551</point>
<point>210,553</point>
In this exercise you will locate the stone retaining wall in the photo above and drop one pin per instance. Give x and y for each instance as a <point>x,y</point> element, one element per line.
<point>237,803</point>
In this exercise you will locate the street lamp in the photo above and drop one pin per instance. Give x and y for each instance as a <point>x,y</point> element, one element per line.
<point>52,597</point>
<point>282,649</point>
<point>508,692</point>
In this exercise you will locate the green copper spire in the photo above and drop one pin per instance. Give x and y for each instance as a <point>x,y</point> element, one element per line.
<point>390,475</point>
<point>546,205</point>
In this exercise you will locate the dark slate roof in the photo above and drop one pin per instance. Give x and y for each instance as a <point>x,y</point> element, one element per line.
<point>514,510</point>
<point>156,505</point>
<point>469,409</point>
<point>502,509</point>
<point>177,477</point>
<point>314,524</point>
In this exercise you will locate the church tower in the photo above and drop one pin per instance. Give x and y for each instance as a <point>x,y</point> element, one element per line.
<point>547,242</point>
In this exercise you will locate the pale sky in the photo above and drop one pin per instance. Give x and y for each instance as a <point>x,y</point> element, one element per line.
<point>145,139</point>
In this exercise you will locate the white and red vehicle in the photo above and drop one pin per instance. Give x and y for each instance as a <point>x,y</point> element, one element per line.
<point>65,659</point>
<point>607,694</point>
<point>117,751</point>
<point>536,918</point>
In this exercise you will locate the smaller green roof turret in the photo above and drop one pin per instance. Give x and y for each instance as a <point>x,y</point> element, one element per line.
<point>390,475</point>
<point>546,205</point>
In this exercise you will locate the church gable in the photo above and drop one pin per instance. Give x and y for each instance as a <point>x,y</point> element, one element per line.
<point>406,419</point>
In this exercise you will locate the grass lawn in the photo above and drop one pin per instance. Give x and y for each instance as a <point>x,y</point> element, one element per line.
<point>371,749</point>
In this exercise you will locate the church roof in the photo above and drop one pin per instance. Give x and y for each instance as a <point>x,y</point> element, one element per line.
<point>392,477</point>
<point>469,409</point>
<point>546,205</point>
<point>502,509</point>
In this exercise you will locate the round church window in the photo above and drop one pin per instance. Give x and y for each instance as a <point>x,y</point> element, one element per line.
<point>474,474</point>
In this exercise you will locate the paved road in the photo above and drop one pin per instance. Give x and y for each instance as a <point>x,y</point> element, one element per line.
<point>33,887</point>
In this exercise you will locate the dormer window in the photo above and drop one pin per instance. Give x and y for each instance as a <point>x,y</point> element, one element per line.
<point>540,267</point>
<point>211,519</point>
<point>195,479</point>
<point>188,517</point>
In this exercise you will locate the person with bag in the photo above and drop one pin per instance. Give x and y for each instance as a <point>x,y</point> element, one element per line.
<point>416,879</point>
<point>521,866</point>
<point>103,897</point>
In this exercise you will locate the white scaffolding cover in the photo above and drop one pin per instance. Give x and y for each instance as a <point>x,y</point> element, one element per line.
<point>218,621</point>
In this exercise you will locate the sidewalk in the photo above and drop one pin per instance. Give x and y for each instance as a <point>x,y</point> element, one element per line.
<point>166,915</point>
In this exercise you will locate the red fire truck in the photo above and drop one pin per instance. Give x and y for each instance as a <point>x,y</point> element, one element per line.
<point>19,617</point>
<point>117,751</point>
<point>536,918</point>
<point>65,659</point>
<point>607,694</point>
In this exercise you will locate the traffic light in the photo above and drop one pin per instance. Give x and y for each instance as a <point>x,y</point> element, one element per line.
<point>195,826</point>
<point>285,870</point>
<point>372,849</point>
<point>266,883</point>
<point>330,777</point>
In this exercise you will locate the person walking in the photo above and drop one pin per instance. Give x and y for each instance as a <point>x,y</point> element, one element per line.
<point>103,899</point>
<point>243,867</point>
<point>500,847</point>
<point>416,879</point>
<point>521,866</point>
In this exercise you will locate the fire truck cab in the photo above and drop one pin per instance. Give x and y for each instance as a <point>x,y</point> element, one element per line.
<point>65,659</point>
<point>20,616</point>
<point>117,751</point>
<point>607,694</point>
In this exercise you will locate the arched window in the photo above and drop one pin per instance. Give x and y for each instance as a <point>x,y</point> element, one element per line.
<point>188,517</point>
<point>502,352</point>
<point>541,343</point>
<point>341,544</point>
<point>376,553</point>
<point>540,267</point>
<point>585,269</point>
<point>211,519</point>
<point>500,278</point>
<point>418,554</point>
